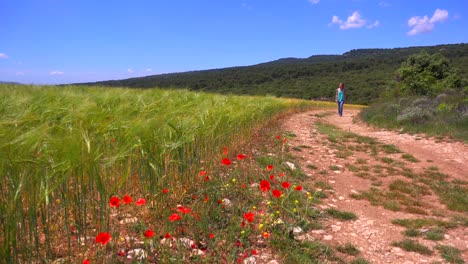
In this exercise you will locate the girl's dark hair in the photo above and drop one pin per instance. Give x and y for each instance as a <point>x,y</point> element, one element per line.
<point>342,85</point>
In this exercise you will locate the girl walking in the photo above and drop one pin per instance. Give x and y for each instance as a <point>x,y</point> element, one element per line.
<point>340,98</point>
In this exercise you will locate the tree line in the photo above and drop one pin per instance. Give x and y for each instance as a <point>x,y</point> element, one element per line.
<point>367,73</point>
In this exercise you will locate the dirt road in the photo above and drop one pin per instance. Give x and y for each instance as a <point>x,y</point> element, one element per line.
<point>357,171</point>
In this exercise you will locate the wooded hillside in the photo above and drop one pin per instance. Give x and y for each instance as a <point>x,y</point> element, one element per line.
<point>366,73</point>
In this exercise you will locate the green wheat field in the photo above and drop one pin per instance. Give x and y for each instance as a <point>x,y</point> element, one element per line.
<point>90,173</point>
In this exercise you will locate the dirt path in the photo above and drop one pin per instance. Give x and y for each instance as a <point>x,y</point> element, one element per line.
<point>373,232</point>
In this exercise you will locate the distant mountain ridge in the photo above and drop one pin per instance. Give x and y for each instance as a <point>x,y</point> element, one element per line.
<point>366,73</point>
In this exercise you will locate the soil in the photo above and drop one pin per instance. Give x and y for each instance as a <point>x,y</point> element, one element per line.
<point>373,232</point>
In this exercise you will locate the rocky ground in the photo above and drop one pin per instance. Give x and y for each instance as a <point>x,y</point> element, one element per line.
<point>373,232</point>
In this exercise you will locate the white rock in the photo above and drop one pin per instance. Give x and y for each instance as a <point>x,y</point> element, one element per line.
<point>327,237</point>
<point>297,230</point>
<point>335,228</point>
<point>137,253</point>
<point>186,242</point>
<point>166,241</point>
<point>304,237</point>
<point>227,203</point>
<point>250,260</point>
<point>291,165</point>
<point>128,220</point>
<point>319,232</point>
<point>273,262</point>
<point>197,252</point>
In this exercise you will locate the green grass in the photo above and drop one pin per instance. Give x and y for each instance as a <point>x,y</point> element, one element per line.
<point>348,249</point>
<point>359,260</point>
<point>389,149</point>
<point>412,233</point>
<point>440,124</point>
<point>410,158</point>
<point>413,246</point>
<point>450,254</point>
<point>423,222</point>
<point>323,185</point>
<point>341,215</point>
<point>67,150</point>
<point>435,234</point>
<point>454,195</point>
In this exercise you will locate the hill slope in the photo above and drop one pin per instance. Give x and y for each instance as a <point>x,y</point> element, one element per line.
<point>365,71</point>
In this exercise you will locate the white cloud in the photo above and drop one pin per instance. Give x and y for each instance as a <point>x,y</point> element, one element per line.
<point>425,24</point>
<point>376,24</point>
<point>130,71</point>
<point>384,4</point>
<point>354,21</point>
<point>440,15</point>
<point>3,56</point>
<point>314,1</point>
<point>56,72</point>
<point>149,70</point>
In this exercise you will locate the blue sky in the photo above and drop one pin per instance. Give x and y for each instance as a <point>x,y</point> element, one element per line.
<point>66,41</point>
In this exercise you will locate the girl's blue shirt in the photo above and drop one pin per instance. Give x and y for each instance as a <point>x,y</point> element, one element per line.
<point>340,95</point>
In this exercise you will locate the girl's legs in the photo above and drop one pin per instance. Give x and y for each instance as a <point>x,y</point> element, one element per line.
<point>340,108</point>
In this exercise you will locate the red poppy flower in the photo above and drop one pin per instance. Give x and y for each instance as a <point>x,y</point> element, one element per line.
<point>206,199</point>
<point>220,201</point>
<point>240,156</point>
<point>242,224</point>
<point>278,137</point>
<point>149,233</point>
<point>272,177</point>
<point>103,238</point>
<point>298,188</point>
<point>183,210</point>
<point>276,193</point>
<point>121,253</point>
<point>126,199</point>
<point>211,236</point>
<point>207,178</point>
<point>86,261</point>
<point>167,235</point>
<point>174,217</point>
<point>281,174</point>
<point>114,201</point>
<point>202,173</point>
<point>269,167</point>
<point>266,234</point>
<point>265,185</point>
<point>254,252</point>
<point>226,161</point>
<point>225,151</point>
<point>165,190</point>
<point>250,217</point>
<point>140,201</point>
<point>285,184</point>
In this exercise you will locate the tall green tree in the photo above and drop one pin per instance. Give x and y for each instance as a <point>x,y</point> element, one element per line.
<point>426,74</point>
